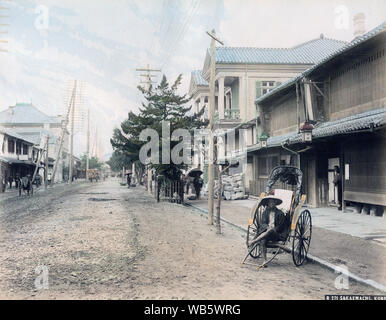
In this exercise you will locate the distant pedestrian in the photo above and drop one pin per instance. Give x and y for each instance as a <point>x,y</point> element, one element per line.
<point>128,180</point>
<point>338,184</point>
<point>197,184</point>
<point>2,184</point>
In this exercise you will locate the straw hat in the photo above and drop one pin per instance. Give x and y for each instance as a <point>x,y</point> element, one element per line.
<point>265,200</point>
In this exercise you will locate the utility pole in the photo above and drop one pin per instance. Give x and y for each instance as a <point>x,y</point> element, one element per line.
<point>88,143</point>
<point>211,125</point>
<point>72,140</point>
<point>38,163</point>
<point>46,164</point>
<point>148,75</point>
<point>64,129</point>
<point>148,82</point>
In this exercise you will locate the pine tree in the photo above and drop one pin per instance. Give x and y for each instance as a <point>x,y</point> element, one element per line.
<point>163,103</point>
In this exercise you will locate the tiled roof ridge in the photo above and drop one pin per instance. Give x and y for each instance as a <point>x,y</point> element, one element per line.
<point>317,39</point>
<point>254,48</point>
<point>358,116</point>
<point>300,45</point>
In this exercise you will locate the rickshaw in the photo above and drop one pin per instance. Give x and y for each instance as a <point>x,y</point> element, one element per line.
<point>296,237</point>
<point>25,185</point>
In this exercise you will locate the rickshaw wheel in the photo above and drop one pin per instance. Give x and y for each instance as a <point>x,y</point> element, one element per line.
<point>251,234</point>
<point>302,238</point>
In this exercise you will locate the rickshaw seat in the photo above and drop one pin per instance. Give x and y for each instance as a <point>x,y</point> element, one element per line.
<point>286,196</point>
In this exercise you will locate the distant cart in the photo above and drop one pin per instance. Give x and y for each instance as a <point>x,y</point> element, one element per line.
<point>93,174</point>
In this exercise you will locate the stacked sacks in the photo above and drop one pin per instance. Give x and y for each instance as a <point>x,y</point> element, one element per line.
<point>233,187</point>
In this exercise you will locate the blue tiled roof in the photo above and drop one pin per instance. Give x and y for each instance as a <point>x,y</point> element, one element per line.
<point>362,121</point>
<point>37,136</point>
<point>310,52</point>
<point>328,57</point>
<point>25,113</point>
<point>198,78</point>
<point>13,133</point>
<point>366,120</point>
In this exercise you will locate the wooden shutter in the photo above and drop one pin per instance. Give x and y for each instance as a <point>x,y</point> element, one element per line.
<point>258,89</point>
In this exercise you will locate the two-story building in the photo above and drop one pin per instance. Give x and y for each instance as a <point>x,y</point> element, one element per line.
<point>34,125</point>
<point>18,156</point>
<point>343,97</point>
<point>244,74</point>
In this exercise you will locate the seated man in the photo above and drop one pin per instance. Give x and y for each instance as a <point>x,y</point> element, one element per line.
<point>272,224</point>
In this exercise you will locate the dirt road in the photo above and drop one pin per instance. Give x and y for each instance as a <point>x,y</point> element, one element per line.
<point>104,241</point>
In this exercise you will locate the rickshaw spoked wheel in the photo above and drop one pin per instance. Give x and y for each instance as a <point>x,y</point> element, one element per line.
<point>251,234</point>
<point>302,238</point>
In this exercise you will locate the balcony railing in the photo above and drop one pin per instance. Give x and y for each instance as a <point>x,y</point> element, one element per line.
<point>229,114</point>
<point>232,114</point>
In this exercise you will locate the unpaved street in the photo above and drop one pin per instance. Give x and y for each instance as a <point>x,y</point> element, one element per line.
<point>104,241</point>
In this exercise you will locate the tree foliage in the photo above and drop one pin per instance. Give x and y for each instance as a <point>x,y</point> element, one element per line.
<point>162,103</point>
<point>93,162</point>
<point>118,160</point>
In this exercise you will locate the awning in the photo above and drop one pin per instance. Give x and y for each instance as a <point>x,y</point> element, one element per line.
<point>359,122</point>
<point>16,161</point>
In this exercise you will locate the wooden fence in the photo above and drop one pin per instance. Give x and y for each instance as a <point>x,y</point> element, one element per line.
<point>168,190</point>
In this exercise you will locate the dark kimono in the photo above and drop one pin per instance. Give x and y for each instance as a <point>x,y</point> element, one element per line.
<point>280,223</point>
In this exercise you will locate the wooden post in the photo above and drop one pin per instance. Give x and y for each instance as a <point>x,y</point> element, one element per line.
<point>46,163</point>
<point>211,125</point>
<point>297,107</point>
<point>342,173</point>
<point>218,207</point>
<point>37,164</point>
<point>149,179</point>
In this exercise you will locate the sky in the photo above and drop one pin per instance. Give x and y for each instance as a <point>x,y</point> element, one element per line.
<point>102,42</point>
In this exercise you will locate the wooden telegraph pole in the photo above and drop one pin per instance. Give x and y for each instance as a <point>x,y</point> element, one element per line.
<point>148,83</point>
<point>38,162</point>
<point>88,143</point>
<point>211,125</point>
<point>64,129</point>
<point>72,139</point>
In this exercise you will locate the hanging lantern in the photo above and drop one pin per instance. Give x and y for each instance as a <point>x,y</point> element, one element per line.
<point>263,140</point>
<point>306,131</point>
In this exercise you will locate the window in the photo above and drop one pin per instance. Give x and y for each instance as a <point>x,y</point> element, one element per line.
<point>266,164</point>
<point>18,147</point>
<point>262,166</point>
<point>11,146</point>
<point>267,86</point>
<point>25,149</point>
